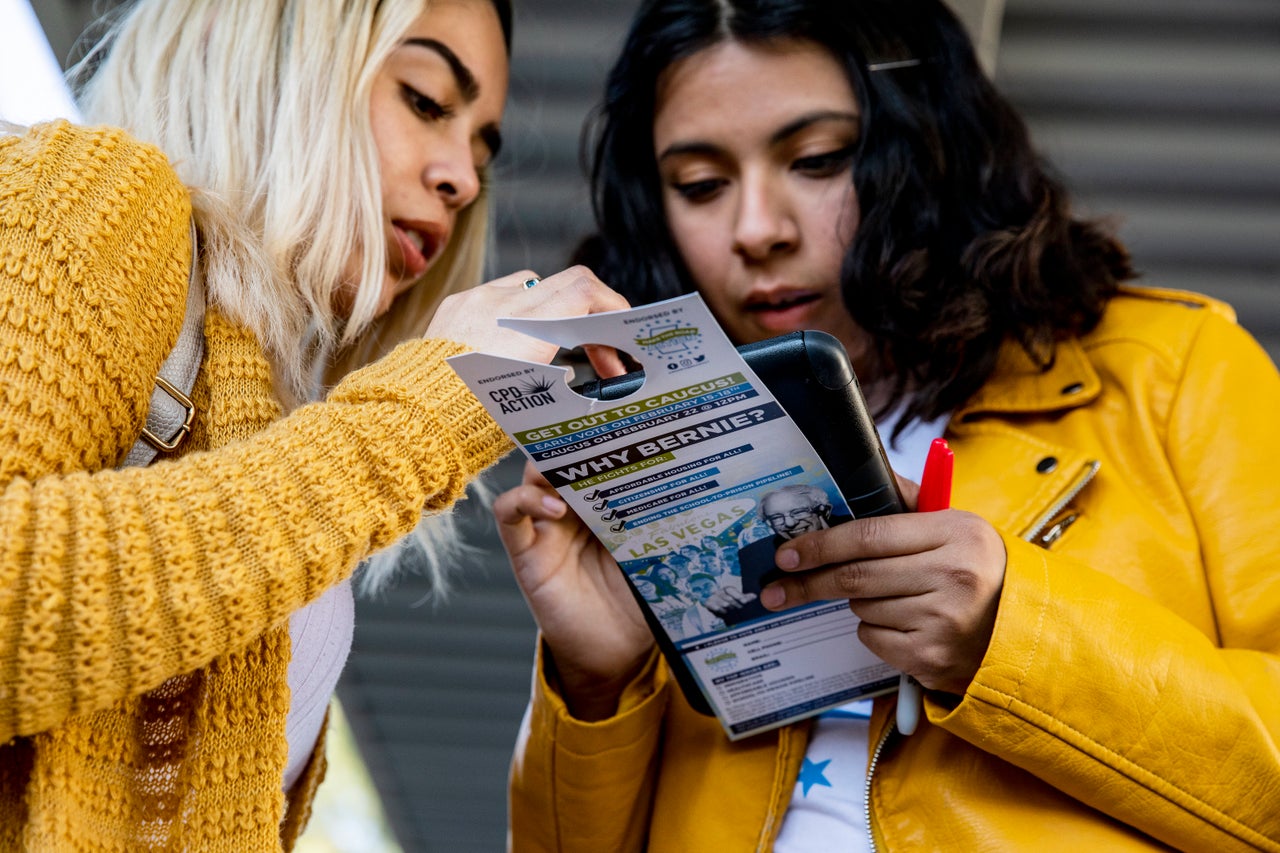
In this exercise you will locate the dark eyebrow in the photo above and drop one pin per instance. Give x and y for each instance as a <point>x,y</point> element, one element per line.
<point>461,73</point>
<point>467,84</point>
<point>704,149</point>
<point>780,135</point>
<point>794,127</point>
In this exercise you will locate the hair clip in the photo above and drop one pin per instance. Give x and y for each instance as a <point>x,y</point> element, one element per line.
<point>895,64</point>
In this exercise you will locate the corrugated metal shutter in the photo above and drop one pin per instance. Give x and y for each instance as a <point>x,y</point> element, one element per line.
<point>1165,114</point>
<point>563,49</point>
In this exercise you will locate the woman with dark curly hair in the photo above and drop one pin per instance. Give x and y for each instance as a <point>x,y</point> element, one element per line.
<point>1094,624</point>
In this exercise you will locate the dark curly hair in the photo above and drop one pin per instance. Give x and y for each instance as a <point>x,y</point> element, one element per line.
<point>966,237</point>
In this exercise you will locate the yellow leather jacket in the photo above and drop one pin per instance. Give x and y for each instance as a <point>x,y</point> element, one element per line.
<point>1130,696</point>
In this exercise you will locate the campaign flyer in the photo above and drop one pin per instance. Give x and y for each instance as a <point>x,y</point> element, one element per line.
<point>691,483</point>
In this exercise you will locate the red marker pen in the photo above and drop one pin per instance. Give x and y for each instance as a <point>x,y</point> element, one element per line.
<point>935,494</point>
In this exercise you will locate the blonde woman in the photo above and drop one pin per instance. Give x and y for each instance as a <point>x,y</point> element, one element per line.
<point>170,634</point>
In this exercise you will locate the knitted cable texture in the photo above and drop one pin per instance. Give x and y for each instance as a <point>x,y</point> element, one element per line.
<point>92,230</point>
<point>143,611</point>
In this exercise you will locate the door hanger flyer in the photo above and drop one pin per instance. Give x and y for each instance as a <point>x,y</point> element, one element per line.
<point>691,483</point>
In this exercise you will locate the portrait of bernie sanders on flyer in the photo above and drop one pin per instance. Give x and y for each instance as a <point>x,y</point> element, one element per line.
<point>788,511</point>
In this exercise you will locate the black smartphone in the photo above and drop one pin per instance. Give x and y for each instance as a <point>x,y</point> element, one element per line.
<point>811,376</point>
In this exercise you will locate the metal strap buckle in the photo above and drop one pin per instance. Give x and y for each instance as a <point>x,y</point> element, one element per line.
<point>188,407</point>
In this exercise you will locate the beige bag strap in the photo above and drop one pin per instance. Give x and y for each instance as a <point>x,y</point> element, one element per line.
<point>172,412</point>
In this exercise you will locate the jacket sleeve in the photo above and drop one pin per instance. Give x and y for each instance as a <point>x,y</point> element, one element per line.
<point>112,581</point>
<point>1188,746</point>
<point>600,776</point>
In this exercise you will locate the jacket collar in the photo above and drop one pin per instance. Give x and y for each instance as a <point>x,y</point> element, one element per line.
<point>1018,479</point>
<point>1020,386</point>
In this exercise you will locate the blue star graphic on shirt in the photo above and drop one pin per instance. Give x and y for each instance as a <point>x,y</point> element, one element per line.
<point>811,774</point>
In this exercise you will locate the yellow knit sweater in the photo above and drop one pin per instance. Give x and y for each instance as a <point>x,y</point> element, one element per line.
<point>143,611</point>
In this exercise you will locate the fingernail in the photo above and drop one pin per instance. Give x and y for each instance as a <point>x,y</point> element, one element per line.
<point>772,596</point>
<point>788,559</point>
<point>553,504</point>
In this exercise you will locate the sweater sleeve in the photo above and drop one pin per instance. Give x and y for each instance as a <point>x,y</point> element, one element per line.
<point>94,252</point>
<point>112,581</point>
<point>602,775</point>
<point>1118,701</point>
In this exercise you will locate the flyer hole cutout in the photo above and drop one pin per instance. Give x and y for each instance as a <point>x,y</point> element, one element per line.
<point>585,379</point>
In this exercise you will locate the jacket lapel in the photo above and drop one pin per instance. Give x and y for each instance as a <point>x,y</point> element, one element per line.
<point>1014,478</point>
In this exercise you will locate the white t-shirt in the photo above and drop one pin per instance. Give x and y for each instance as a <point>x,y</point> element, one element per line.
<point>828,805</point>
<point>321,636</point>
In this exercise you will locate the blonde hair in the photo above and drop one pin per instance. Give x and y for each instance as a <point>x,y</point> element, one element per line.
<point>262,106</point>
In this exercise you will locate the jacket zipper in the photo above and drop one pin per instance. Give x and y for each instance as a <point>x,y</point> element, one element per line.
<point>1090,470</point>
<point>871,771</point>
<point>1056,530</point>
